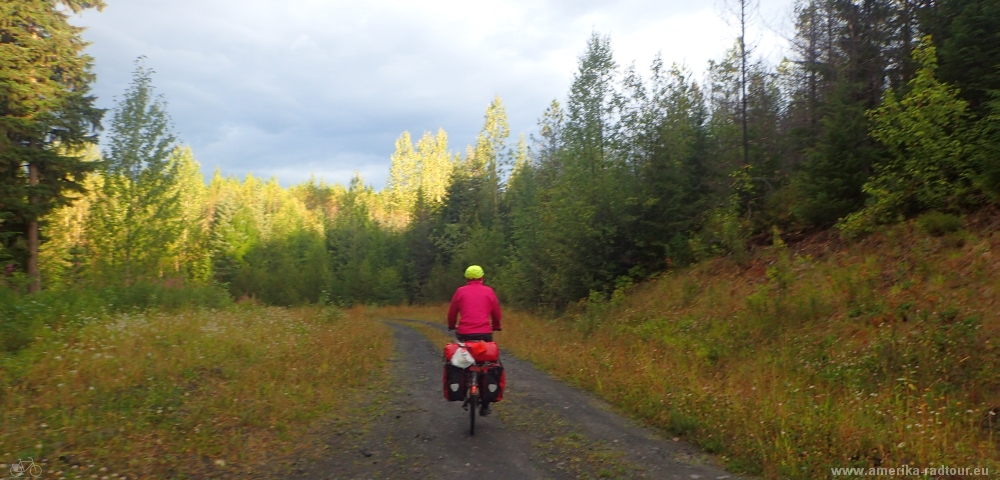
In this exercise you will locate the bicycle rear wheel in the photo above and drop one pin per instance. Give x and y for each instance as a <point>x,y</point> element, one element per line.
<point>474,401</point>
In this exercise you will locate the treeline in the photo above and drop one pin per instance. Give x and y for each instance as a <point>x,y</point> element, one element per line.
<point>886,109</point>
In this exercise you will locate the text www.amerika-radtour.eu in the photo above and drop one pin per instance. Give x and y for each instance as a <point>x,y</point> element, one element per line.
<point>908,471</point>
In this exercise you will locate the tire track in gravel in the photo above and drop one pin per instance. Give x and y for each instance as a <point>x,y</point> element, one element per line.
<point>543,429</point>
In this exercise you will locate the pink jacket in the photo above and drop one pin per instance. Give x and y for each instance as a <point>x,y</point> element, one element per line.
<point>477,304</point>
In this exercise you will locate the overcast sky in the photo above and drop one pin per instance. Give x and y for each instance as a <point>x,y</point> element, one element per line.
<point>297,87</point>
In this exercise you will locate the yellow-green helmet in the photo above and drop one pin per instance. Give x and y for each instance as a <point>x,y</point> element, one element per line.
<point>474,272</point>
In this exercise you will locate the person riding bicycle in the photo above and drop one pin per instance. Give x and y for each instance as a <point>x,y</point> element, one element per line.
<point>474,313</point>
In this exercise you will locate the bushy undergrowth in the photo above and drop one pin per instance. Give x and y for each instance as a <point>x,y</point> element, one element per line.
<point>25,317</point>
<point>192,394</point>
<point>883,353</point>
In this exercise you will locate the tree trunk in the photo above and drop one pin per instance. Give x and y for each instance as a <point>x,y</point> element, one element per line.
<point>743,80</point>
<point>34,276</point>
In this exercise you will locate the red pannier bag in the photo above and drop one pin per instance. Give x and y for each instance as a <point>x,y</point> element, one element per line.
<point>484,351</point>
<point>481,351</point>
<point>492,383</point>
<point>453,383</point>
<point>453,379</point>
<point>449,351</point>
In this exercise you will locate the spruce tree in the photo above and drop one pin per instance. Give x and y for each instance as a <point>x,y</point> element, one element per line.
<point>46,116</point>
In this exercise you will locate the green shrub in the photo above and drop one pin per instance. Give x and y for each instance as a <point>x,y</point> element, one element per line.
<point>927,136</point>
<point>938,224</point>
<point>147,295</point>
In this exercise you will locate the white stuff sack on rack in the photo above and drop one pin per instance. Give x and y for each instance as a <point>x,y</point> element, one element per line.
<point>462,358</point>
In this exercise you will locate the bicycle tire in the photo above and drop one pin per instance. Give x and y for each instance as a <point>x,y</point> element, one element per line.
<point>35,470</point>
<point>474,400</point>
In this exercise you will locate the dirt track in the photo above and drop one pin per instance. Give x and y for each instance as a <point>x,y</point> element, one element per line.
<point>543,429</point>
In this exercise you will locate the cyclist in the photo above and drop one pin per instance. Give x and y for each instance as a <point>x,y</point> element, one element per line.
<point>474,313</point>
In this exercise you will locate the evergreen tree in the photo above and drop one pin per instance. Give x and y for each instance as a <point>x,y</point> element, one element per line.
<point>435,166</point>
<point>585,199</point>
<point>426,168</point>
<point>139,211</point>
<point>189,254</point>
<point>675,176</point>
<point>404,175</point>
<point>489,159</point>
<point>63,258</point>
<point>829,183</point>
<point>967,34</point>
<point>851,57</point>
<point>46,117</point>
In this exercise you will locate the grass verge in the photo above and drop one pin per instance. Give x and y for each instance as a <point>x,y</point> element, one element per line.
<point>24,318</point>
<point>188,394</point>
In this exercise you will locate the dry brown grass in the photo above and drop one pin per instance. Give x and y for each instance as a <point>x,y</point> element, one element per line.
<point>883,353</point>
<point>200,393</point>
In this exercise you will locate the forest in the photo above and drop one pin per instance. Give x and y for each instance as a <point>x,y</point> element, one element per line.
<point>884,110</point>
<point>787,264</point>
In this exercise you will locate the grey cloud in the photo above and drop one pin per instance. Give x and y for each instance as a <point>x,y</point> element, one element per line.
<point>311,86</point>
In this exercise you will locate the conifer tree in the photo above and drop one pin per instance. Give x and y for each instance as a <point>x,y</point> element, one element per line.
<point>404,175</point>
<point>189,254</point>
<point>490,158</point>
<point>46,116</point>
<point>139,210</point>
<point>435,166</point>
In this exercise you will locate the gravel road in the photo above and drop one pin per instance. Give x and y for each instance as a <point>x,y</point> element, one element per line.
<point>543,429</point>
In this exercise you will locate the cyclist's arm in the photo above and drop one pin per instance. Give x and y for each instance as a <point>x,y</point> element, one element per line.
<point>453,312</point>
<point>496,314</point>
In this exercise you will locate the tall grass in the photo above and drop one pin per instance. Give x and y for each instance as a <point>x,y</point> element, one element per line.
<point>186,394</point>
<point>25,317</point>
<point>883,353</point>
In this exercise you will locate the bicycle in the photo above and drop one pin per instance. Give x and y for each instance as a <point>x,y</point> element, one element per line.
<point>29,467</point>
<point>472,396</point>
